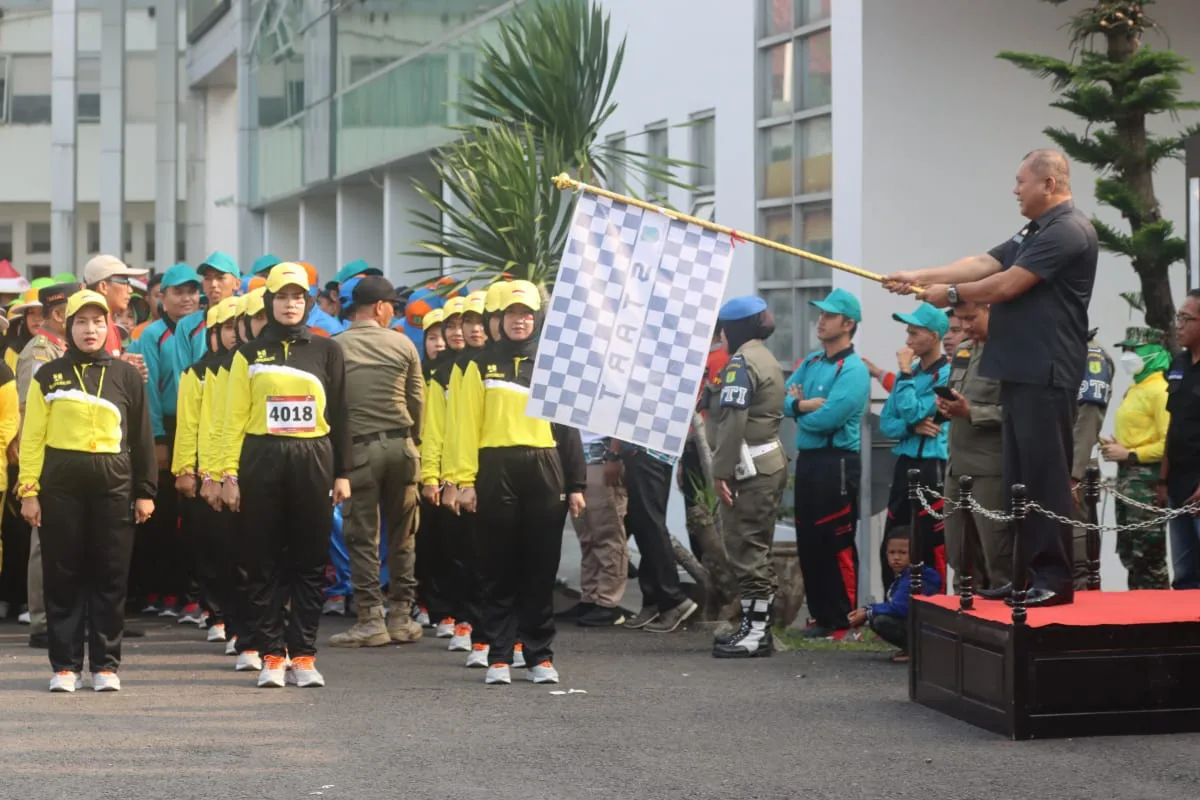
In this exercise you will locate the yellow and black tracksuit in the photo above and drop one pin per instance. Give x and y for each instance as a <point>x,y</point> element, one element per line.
<point>428,569</point>
<point>516,464</point>
<point>285,439</point>
<point>10,422</point>
<point>15,532</point>
<point>87,452</point>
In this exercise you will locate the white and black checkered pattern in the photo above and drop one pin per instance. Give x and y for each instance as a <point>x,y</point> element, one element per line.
<point>672,345</point>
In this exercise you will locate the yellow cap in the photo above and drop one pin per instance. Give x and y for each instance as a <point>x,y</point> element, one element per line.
<point>523,293</point>
<point>254,301</point>
<point>287,274</point>
<point>210,319</point>
<point>455,305</point>
<point>434,317</point>
<point>227,309</point>
<point>25,300</point>
<point>83,298</point>
<point>494,297</point>
<point>476,302</point>
<point>240,309</point>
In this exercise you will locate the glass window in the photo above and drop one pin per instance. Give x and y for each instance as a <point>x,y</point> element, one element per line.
<point>181,241</point>
<point>815,167</point>
<point>39,271</point>
<point>704,151</point>
<point>776,225</point>
<point>6,242</point>
<point>93,238</point>
<point>704,206</point>
<point>37,237</point>
<point>816,236</point>
<point>149,243</point>
<point>777,161</point>
<point>810,11</point>
<point>128,239</point>
<point>202,15</point>
<point>777,16</point>
<point>813,70</point>
<point>658,149</point>
<point>777,67</point>
<point>30,90</point>
<point>140,87</point>
<point>616,177</point>
<point>87,88</point>
<point>413,95</point>
<point>280,91</point>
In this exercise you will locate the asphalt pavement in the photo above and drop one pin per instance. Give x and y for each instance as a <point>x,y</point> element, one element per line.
<point>657,718</point>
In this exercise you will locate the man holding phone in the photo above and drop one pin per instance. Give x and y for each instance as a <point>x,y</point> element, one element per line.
<point>911,417</point>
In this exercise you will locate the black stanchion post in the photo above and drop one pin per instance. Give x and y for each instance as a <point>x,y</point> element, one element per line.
<point>1091,502</point>
<point>1020,509</point>
<point>916,553</point>
<point>966,582</point>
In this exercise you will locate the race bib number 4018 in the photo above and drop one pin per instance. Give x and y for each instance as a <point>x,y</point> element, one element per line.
<point>291,415</point>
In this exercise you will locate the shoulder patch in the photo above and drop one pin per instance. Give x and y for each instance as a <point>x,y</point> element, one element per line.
<point>735,387</point>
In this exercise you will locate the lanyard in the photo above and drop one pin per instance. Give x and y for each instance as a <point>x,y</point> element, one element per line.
<point>91,406</point>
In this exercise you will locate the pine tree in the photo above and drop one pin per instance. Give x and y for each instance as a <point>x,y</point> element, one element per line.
<point>1114,83</point>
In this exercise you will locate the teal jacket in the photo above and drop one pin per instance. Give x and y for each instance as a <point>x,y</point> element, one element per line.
<point>843,380</point>
<point>157,346</point>
<point>190,340</point>
<point>912,400</point>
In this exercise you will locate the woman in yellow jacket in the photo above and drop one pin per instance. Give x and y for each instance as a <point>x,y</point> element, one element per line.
<point>435,367</point>
<point>1138,443</point>
<point>87,462</point>
<point>521,475</point>
<point>286,446</point>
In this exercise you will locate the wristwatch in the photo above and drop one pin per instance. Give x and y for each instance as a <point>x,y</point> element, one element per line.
<point>952,295</point>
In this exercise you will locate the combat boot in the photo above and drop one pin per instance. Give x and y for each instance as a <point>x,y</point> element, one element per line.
<point>741,630</point>
<point>403,629</point>
<point>757,640</point>
<point>369,631</point>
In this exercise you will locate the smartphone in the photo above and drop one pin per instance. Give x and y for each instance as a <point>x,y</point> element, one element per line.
<point>944,392</point>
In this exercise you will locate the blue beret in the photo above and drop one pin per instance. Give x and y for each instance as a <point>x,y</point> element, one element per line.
<point>742,308</point>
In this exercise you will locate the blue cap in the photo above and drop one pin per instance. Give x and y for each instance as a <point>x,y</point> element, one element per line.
<point>264,263</point>
<point>839,301</point>
<point>346,292</point>
<point>741,308</point>
<point>179,274</point>
<point>356,267</point>
<point>221,262</point>
<point>926,316</point>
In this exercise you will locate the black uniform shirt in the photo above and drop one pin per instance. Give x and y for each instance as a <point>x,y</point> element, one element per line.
<point>1041,336</point>
<point>1183,432</point>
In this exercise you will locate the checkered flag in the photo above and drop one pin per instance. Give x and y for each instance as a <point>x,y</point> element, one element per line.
<point>629,324</point>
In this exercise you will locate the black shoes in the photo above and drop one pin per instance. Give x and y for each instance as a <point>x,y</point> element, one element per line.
<point>39,641</point>
<point>996,594</point>
<point>1044,598</point>
<point>600,617</point>
<point>753,638</point>
<point>576,611</point>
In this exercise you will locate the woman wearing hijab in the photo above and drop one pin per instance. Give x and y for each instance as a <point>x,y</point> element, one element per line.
<point>286,446</point>
<point>517,473</point>
<point>435,369</point>
<point>87,461</point>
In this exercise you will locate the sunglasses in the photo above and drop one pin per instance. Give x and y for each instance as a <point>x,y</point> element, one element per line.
<point>117,279</point>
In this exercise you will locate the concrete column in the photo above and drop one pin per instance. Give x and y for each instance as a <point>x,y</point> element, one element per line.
<point>318,235</point>
<point>166,176</point>
<point>399,232</point>
<point>281,232</point>
<point>250,223</point>
<point>112,127</point>
<point>197,174</point>
<point>360,225</point>
<point>63,154</point>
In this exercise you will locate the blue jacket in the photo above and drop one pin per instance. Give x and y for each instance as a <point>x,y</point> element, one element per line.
<point>912,400</point>
<point>157,347</point>
<point>900,593</point>
<point>843,380</point>
<point>190,342</point>
<point>317,318</point>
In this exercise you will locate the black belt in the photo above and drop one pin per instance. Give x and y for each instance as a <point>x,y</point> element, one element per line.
<point>394,433</point>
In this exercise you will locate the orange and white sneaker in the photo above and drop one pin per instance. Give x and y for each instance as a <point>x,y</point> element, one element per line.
<point>248,661</point>
<point>445,628</point>
<point>518,656</point>
<point>479,655</point>
<point>460,642</point>
<point>231,646</point>
<point>498,674</point>
<point>273,672</point>
<point>302,672</point>
<point>543,673</point>
<point>66,681</point>
<point>106,681</point>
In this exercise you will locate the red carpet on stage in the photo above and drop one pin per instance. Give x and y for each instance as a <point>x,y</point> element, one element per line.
<point>1146,607</point>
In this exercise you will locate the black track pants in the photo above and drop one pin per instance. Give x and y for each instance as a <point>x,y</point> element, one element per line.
<point>521,503</point>
<point>284,525</point>
<point>826,505</point>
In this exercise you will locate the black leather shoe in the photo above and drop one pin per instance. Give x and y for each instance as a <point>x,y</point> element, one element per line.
<point>996,594</point>
<point>1044,598</point>
<point>39,641</point>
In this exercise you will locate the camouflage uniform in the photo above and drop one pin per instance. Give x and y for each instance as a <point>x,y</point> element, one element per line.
<point>1142,551</point>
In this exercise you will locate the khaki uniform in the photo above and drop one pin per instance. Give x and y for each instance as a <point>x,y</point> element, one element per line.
<point>386,397</point>
<point>604,548</point>
<point>977,449</point>
<point>748,418</point>
<point>1087,436</point>
<point>40,350</point>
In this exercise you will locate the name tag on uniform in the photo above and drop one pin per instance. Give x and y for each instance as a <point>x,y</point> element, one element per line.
<point>1174,375</point>
<point>287,415</point>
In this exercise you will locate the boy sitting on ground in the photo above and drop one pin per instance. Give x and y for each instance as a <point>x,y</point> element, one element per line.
<point>889,619</point>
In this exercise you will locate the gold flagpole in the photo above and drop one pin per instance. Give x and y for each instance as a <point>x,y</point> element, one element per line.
<point>565,181</point>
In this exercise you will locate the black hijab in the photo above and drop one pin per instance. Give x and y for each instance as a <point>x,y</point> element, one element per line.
<point>438,367</point>
<point>77,356</point>
<point>276,330</point>
<point>17,335</point>
<point>508,348</point>
<point>740,331</point>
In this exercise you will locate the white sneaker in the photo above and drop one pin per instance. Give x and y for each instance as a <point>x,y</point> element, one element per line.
<point>498,673</point>
<point>23,618</point>
<point>66,682</point>
<point>334,606</point>
<point>216,633</point>
<point>479,655</point>
<point>273,674</point>
<point>106,682</point>
<point>231,647</point>
<point>519,656</point>
<point>460,642</point>
<point>248,661</point>
<point>542,673</point>
<point>203,623</point>
<point>422,617</point>
<point>302,672</point>
<point>444,629</point>
<point>191,613</point>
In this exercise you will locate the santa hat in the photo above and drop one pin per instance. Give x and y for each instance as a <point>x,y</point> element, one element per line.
<point>11,281</point>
